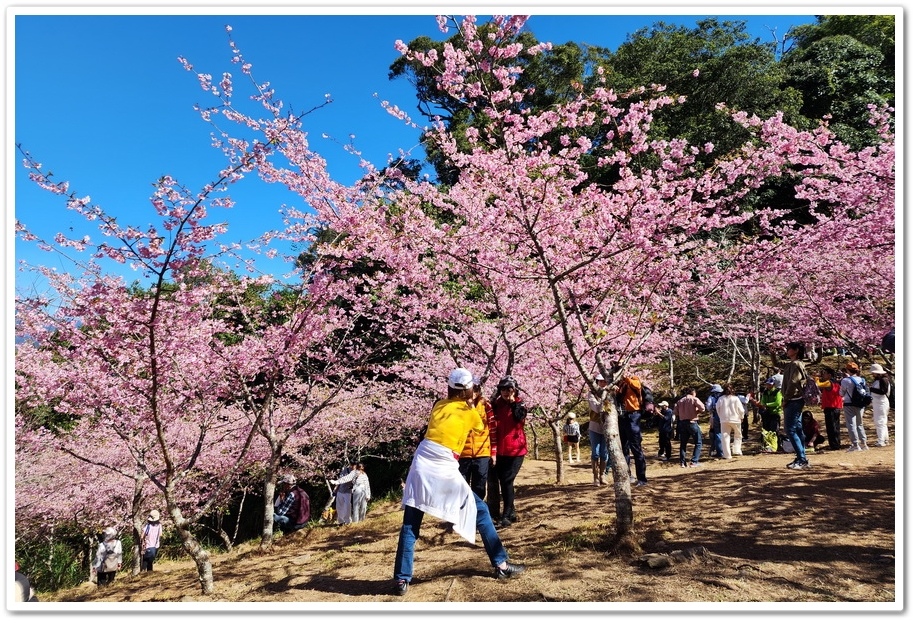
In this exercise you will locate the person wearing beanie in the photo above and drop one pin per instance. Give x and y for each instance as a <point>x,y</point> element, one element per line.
<point>510,414</point>
<point>149,543</point>
<point>435,485</point>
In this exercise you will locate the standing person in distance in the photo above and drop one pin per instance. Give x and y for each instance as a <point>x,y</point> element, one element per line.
<point>880,403</point>
<point>688,410</point>
<point>572,436</point>
<point>360,492</point>
<point>109,556</point>
<point>629,390</point>
<point>479,453</point>
<point>597,415</point>
<point>832,404</point>
<point>344,500</point>
<point>731,413</point>
<point>715,423</point>
<point>150,541</point>
<point>853,414</point>
<point>435,486</point>
<point>665,416</point>
<point>793,402</point>
<point>510,413</point>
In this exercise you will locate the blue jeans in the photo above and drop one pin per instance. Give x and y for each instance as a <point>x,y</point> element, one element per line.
<point>410,532</point>
<point>792,411</point>
<point>690,431</point>
<point>715,435</point>
<point>286,524</point>
<point>631,440</point>
<point>598,442</point>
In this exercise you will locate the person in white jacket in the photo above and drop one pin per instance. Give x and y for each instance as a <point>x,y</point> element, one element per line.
<point>731,413</point>
<point>360,494</point>
<point>108,557</point>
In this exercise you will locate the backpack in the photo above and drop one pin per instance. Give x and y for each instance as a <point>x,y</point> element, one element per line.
<point>860,396</point>
<point>110,561</point>
<point>812,393</point>
<point>646,397</point>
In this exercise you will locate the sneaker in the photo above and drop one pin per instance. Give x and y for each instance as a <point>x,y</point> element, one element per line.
<point>665,458</point>
<point>511,571</point>
<point>694,465</point>
<point>400,589</point>
<point>641,483</point>
<point>632,480</point>
<point>799,465</point>
<point>684,464</point>
<point>597,483</point>
<point>794,464</point>
<point>504,523</point>
<point>853,448</point>
<point>864,446</point>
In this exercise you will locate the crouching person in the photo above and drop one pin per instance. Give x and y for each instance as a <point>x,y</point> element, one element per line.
<point>292,506</point>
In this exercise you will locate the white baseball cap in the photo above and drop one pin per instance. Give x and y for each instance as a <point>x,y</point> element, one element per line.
<point>461,378</point>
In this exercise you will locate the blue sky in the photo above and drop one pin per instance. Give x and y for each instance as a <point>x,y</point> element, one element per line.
<point>103,102</point>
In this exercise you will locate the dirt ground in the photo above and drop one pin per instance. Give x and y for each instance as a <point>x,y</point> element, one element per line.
<point>750,531</point>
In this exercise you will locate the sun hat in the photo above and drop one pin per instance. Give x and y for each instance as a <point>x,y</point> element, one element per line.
<point>716,388</point>
<point>109,533</point>
<point>598,377</point>
<point>663,403</point>
<point>461,378</point>
<point>571,416</point>
<point>153,516</point>
<point>288,480</point>
<point>876,369</point>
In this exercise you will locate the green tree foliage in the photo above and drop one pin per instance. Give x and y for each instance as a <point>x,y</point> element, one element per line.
<point>841,65</point>
<point>731,69</point>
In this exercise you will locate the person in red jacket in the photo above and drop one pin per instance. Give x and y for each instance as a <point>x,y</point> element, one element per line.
<point>510,414</point>
<point>832,404</point>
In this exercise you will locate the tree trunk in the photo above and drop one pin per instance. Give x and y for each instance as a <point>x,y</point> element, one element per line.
<point>623,497</point>
<point>534,435</point>
<point>192,546</point>
<point>136,513</point>
<point>558,446</point>
<point>267,532</point>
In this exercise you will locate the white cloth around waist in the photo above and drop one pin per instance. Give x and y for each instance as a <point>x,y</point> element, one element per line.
<point>435,486</point>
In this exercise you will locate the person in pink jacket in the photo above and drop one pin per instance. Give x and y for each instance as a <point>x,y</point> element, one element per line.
<point>510,414</point>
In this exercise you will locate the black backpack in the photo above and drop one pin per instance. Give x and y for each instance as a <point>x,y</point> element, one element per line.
<point>860,396</point>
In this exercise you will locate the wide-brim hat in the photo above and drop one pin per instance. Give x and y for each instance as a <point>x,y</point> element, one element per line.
<point>571,416</point>
<point>876,369</point>
<point>716,388</point>
<point>153,516</point>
